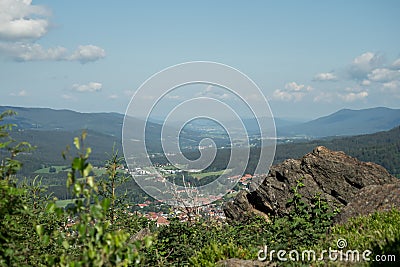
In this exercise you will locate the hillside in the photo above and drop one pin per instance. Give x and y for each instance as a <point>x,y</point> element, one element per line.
<point>65,120</point>
<point>48,127</point>
<point>51,130</point>
<point>346,122</point>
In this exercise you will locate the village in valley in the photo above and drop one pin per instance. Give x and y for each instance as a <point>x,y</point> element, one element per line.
<point>160,212</point>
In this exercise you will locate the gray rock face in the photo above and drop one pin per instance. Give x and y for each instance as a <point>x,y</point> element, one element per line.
<point>335,175</point>
<point>370,199</point>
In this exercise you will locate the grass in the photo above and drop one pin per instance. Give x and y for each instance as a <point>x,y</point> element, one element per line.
<point>64,202</point>
<point>378,232</point>
<point>201,175</point>
<point>47,170</point>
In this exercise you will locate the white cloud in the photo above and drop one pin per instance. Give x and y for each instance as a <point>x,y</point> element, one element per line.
<point>327,76</point>
<point>88,53</point>
<point>20,20</point>
<point>293,86</point>
<point>32,52</point>
<point>129,92</point>
<point>216,93</point>
<point>392,85</point>
<point>366,82</point>
<point>396,64</point>
<point>363,64</point>
<point>209,88</point>
<point>90,87</point>
<point>353,96</point>
<point>324,97</point>
<point>364,59</point>
<point>22,24</point>
<point>67,97</point>
<point>20,51</point>
<point>353,89</point>
<point>113,96</point>
<point>288,96</point>
<point>384,75</point>
<point>21,93</point>
<point>292,91</point>
<point>282,95</point>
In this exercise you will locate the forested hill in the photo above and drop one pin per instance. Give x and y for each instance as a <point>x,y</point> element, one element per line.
<point>382,148</point>
<point>46,119</point>
<point>346,122</point>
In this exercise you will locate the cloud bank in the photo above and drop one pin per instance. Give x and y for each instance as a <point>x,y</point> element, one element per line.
<point>23,24</point>
<point>91,87</point>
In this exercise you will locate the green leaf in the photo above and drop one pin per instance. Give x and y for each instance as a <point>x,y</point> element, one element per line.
<point>77,163</point>
<point>88,152</point>
<point>39,229</point>
<point>106,203</point>
<point>90,181</point>
<point>84,134</point>
<point>148,241</point>
<point>86,171</point>
<point>51,207</point>
<point>82,229</point>
<point>77,188</point>
<point>77,143</point>
<point>65,244</point>
<point>46,239</point>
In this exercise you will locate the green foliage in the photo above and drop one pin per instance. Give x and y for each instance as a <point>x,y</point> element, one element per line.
<point>203,243</point>
<point>9,165</point>
<point>215,252</point>
<point>378,232</point>
<point>90,241</point>
<point>305,223</point>
<point>35,232</point>
<point>175,243</point>
<point>109,186</point>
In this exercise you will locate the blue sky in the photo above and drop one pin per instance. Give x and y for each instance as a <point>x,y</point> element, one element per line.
<point>310,58</point>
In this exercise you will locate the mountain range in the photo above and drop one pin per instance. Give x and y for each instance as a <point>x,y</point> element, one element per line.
<point>52,130</point>
<point>345,122</point>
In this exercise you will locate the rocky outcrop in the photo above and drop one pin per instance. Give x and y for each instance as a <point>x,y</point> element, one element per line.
<point>370,199</point>
<point>335,175</point>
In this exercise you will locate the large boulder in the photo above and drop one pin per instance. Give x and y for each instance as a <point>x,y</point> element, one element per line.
<point>334,175</point>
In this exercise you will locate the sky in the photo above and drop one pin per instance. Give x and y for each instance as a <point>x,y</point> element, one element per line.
<point>309,58</point>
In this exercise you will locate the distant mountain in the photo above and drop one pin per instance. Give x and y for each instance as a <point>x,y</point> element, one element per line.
<point>63,123</point>
<point>346,122</point>
<point>65,120</point>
